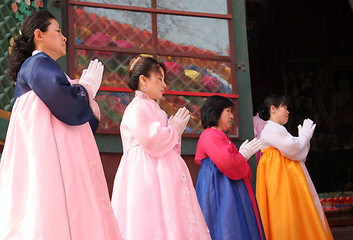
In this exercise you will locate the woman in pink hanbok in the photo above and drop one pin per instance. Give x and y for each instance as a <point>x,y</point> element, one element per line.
<point>153,194</point>
<point>52,184</point>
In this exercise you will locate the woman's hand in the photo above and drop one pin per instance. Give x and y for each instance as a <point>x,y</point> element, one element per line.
<point>180,120</point>
<point>92,76</point>
<point>307,130</point>
<point>247,149</point>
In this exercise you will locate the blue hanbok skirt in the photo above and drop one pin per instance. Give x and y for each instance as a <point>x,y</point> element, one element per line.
<point>229,206</point>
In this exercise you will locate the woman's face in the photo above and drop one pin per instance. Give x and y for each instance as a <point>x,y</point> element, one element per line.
<point>53,42</point>
<point>279,115</point>
<point>225,121</point>
<point>154,85</point>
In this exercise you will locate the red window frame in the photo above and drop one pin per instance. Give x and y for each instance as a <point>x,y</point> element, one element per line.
<point>153,10</point>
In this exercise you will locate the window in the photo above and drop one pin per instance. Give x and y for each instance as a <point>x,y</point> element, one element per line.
<point>194,39</point>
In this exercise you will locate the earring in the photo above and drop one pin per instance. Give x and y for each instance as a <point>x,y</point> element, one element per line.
<point>144,88</point>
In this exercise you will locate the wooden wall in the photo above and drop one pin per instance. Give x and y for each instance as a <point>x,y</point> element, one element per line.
<point>293,29</point>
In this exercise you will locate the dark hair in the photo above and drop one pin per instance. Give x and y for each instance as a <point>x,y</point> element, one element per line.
<point>272,100</point>
<point>142,66</point>
<point>23,45</point>
<point>258,96</point>
<point>212,108</point>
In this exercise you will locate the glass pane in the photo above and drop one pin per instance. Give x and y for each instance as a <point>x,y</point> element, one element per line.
<point>200,34</point>
<point>207,6</point>
<point>108,27</point>
<point>197,75</point>
<point>171,103</point>
<point>112,106</point>
<point>115,66</point>
<point>135,3</point>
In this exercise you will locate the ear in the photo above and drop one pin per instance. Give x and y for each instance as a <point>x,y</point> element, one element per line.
<point>142,81</point>
<point>38,35</point>
<point>273,109</point>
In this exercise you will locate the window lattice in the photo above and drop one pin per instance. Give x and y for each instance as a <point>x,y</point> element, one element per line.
<point>195,50</point>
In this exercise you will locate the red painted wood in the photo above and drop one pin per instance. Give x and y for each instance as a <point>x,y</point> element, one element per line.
<point>170,92</point>
<point>151,10</point>
<point>155,52</point>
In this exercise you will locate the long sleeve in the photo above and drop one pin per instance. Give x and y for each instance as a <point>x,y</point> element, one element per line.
<point>69,103</point>
<point>177,147</point>
<point>144,122</point>
<point>223,153</point>
<point>94,121</point>
<point>277,136</point>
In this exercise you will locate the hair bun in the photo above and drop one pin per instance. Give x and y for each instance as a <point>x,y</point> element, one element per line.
<point>264,113</point>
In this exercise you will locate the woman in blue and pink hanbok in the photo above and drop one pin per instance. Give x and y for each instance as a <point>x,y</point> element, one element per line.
<point>52,184</point>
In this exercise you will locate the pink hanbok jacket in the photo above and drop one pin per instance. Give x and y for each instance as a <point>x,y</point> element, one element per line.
<point>153,194</point>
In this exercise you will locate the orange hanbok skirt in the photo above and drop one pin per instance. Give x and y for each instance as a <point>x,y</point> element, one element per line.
<point>285,201</point>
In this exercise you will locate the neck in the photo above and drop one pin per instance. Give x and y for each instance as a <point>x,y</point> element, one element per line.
<point>40,49</point>
<point>275,121</point>
<point>146,94</point>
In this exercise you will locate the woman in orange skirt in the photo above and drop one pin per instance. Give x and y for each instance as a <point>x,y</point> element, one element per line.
<point>288,202</point>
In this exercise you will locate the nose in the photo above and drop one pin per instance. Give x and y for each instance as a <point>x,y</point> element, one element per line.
<point>231,116</point>
<point>65,39</point>
<point>164,85</point>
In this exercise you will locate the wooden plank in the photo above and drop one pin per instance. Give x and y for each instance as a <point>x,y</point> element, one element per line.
<point>5,114</point>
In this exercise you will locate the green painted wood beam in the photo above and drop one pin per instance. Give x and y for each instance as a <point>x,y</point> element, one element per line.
<point>111,143</point>
<point>243,76</point>
<point>4,123</point>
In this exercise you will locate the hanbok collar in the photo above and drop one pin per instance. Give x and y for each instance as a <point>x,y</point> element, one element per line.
<point>141,94</point>
<point>144,96</point>
<point>272,122</point>
<point>221,132</point>
<point>35,52</point>
<point>275,124</point>
<point>216,129</point>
